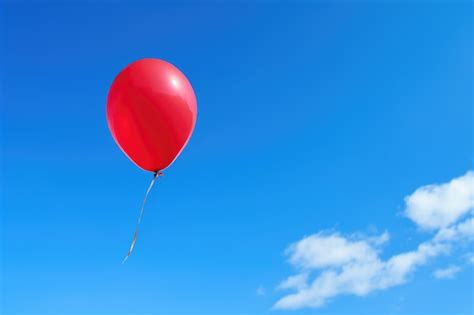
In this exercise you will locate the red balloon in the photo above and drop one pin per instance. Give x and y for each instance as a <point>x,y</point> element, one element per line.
<point>151,112</point>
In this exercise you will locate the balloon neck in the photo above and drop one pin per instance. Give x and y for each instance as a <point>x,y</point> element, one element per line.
<point>158,174</point>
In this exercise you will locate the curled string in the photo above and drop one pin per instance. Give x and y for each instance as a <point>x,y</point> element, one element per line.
<point>132,245</point>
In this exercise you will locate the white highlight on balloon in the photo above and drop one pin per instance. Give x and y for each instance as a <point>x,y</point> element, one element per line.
<point>174,82</point>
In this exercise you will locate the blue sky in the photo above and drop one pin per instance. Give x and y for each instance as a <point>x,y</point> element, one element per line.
<point>315,122</point>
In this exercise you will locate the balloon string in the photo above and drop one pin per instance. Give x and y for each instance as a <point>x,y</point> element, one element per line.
<point>132,245</point>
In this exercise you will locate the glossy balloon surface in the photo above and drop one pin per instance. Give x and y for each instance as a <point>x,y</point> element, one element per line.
<point>151,112</point>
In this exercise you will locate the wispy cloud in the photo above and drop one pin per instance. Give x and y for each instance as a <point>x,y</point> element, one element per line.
<point>446,273</point>
<point>438,206</point>
<point>349,272</point>
<point>298,282</point>
<point>329,264</point>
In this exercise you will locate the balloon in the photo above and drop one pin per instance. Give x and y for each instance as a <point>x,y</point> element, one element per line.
<point>151,112</point>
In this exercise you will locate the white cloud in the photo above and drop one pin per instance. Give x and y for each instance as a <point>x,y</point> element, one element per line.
<point>332,250</point>
<point>330,264</point>
<point>460,231</point>
<point>446,273</point>
<point>355,274</point>
<point>437,206</point>
<point>298,282</point>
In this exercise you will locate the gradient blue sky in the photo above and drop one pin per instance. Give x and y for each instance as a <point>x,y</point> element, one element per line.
<point>313,116</point>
